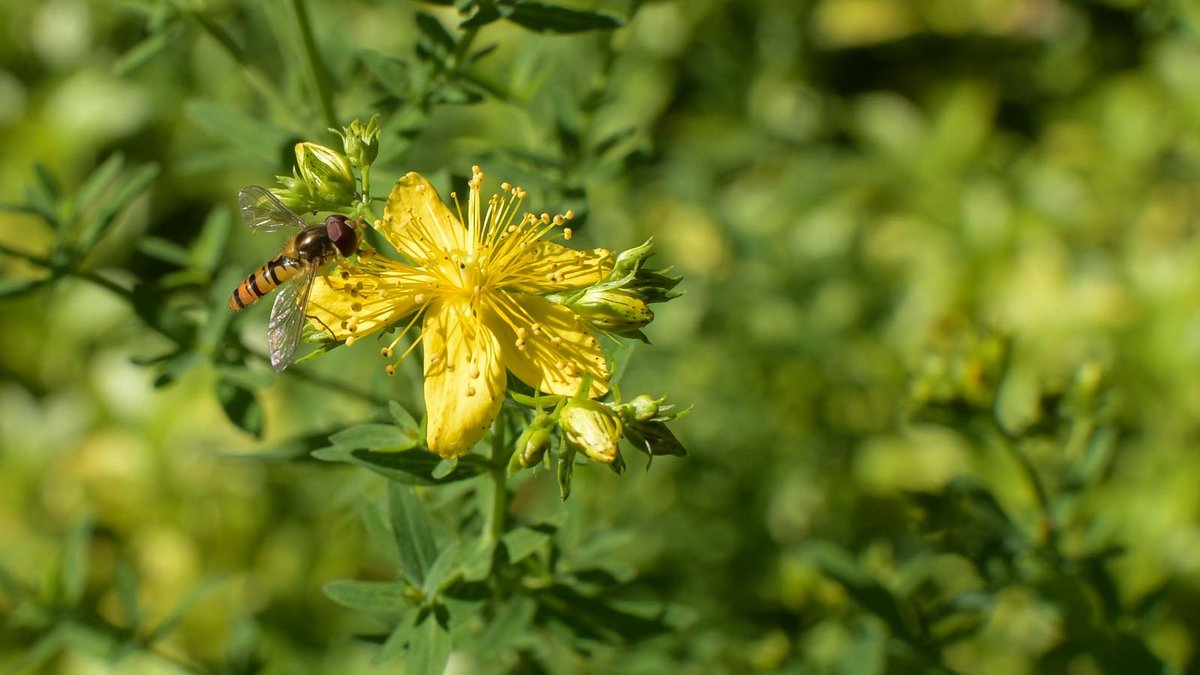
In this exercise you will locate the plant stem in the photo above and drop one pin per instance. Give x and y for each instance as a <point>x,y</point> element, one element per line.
<point>316,67</point>
<point>498,514</point>
<point>497,521</point>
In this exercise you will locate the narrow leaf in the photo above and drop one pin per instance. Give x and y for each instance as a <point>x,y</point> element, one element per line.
<point>198,593</point>
<point>430,650</point>
<point>414,536</point>
<point>522,541</point>
<point>377,598</point>
<point>75,562</point>
<point>209,249</point>
<point>375,437</point>
<point>108,210</point>
<point>508,625</point>
<point>404,419</point>
<point>241,406</point>
<point>164,250</point>
<point>540,17</point>
<point>412,467</point>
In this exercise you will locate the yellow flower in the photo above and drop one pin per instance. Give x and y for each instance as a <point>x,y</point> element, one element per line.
<point>476,291</point>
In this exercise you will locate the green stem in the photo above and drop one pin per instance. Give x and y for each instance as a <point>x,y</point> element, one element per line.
<point>502,448</point>
<point>316,67</point>
<point>46,263</point>
<point>498,514</point>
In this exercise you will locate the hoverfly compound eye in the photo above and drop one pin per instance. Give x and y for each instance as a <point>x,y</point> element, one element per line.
<point>342,234</point>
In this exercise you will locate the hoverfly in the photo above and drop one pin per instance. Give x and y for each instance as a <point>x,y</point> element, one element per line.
<point>313,247</point>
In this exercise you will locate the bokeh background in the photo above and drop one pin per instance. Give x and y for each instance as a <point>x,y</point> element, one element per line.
<point>941,326</point>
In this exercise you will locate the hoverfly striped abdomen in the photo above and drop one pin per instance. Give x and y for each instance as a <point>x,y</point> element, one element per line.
<point>264,280</point>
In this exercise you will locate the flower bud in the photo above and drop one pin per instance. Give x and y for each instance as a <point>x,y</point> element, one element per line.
<point>613,309</point>
<point>533,443</point>
<point>640,409</point>
<point>591,428</point>
<point>361,142</point>
<point>654,438</point>
<point>327,175</point>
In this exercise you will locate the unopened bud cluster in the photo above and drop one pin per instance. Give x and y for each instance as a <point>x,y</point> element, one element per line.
<point>620,304</point>
<point>594,429</point>
<point>324,178</point>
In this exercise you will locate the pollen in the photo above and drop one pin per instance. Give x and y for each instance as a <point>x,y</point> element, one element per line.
<point>390,369</point>
<point>567,233</point>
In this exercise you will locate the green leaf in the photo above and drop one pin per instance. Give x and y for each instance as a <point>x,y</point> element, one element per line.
<point>838,564</point>
<point>44,195</point>
<point>378,532</point>
<point>412,467</point>
<point>377,598</point>
<point>566,469</point>
<point>508,626</point>
<point>397,641</point>
<point>541,17</point>
<point>430,649</point>
<point>15,287</point>
<point>75,557</point>
<point>165,250</point>
<point>520,542</point>
<point>107,211</point>
<point>448,560</point>
<point>404,419</point>
<point>436,34</point>
<point>97,182</point>
<point>414,536</point>
<point>599,618</point>
<point>209,249</point>
<point>251,137</point>
<point>391,74</point>
<point>39,653</point>
<point>241,406</point>
<point>125,579</point>
<point>199,592</point>
<point>386,437</point>
<point>147,49</point>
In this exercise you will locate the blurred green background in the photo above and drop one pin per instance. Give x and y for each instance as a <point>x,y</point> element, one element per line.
<point>941,326</point>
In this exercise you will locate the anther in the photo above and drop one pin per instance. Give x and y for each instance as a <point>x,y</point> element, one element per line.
<point>567,232</point>
<point>386,353</point>
<point>350,340</point>
<point>356,306</point>
<point>390,369</point>
<point>569,214</point>
<point>558,220</point>
<point>345,274</point>
<point>506,186</point>
<point>474,371</point>
<point>419,298</point>
<point>470,391</point>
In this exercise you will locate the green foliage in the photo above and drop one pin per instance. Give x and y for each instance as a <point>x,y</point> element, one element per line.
<point>937,324</point>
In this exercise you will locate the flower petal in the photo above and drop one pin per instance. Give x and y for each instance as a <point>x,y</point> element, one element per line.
<point>559,268</point>
<point>418,223</point>
<point>555,350</point>
<point>356,300</point>
<point>464,377</point>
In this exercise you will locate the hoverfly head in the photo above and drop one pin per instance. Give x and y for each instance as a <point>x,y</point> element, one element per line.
<point>342,233</point>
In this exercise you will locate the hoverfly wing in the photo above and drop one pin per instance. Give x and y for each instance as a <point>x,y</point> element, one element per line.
<point>287,318</point>
<point>263,211</point>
